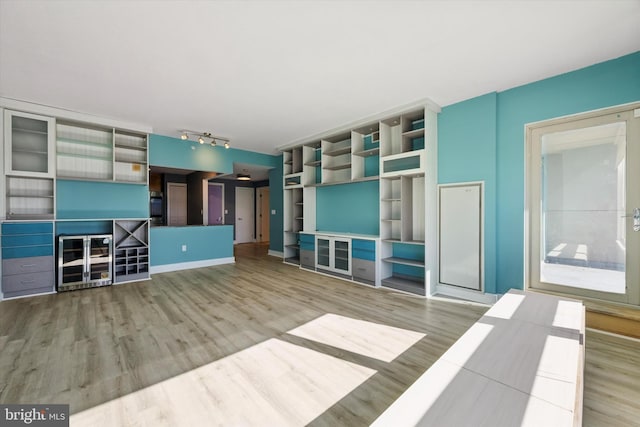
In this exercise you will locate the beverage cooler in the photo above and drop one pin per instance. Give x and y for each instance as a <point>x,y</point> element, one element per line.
<point>84,261</point>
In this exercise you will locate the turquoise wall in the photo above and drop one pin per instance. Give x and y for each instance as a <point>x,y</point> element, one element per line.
<point>602,85</point>
<point>176,153</point>
<point>349,208</point>
<point>93,199</point>
<point>203,243</point>
<point>467,152</point>
<point>276,201</point>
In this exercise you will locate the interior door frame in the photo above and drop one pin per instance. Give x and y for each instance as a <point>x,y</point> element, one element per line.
<point>205,204</point>
<point>262,214</point>
<point>170,187</point>
<point>626,112</point>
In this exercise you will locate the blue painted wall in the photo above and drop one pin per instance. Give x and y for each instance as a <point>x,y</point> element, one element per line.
<point>602,85</point>
<point>93,199</point>
<point>467,152</point>
<point>349,208</point>
<point>276,223</point>
<point>203,243</point>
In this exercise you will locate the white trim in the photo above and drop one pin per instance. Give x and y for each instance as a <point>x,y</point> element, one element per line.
<point>467,294</point>
<point>60,113</point>
<point>165,268</point>
<point>482,233</point>
<point>278,254</point>
<point>28,296</point>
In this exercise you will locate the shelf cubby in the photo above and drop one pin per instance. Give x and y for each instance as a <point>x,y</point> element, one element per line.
<point>131,242</point>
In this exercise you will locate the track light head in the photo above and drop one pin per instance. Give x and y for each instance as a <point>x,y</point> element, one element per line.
<point>226,145</point>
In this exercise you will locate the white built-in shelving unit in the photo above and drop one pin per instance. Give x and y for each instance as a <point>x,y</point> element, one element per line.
<point>399,151</point>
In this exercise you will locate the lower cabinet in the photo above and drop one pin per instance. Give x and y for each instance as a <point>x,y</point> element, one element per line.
<point>364,261</point>
<point>333,254</point>
<point>348,256</point>
<point>28,266</point>
<point>307,251</point>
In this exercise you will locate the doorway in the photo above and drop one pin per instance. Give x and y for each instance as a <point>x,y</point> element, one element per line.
<point>215,204</point>
<point>245,214</point>
<point>176,204</point>
<point>262,214</point>
<point>584,205</point>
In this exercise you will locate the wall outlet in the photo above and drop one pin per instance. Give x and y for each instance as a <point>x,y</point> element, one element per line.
<point>273,211</point>
<point>184,248</point>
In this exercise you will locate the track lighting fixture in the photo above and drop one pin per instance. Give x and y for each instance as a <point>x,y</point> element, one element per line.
<point>203,137</point>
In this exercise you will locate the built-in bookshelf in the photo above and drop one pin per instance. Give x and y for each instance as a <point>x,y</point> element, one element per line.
<point>398,151</point>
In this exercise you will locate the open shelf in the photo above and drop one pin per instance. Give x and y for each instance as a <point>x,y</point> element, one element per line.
<point>404,261</point>
<point>414,285</point>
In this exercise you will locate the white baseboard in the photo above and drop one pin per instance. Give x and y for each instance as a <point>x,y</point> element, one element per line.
<point>192,264</point>
<point>465,294</point>
<point>275,253</point>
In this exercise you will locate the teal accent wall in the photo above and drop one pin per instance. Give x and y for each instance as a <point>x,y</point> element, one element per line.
<point>467,152</point>
<point>176,153</point>
<point>203,243</point>
<point>599,86</point>
<point>349,208</point>
<point>276,203</point>
<point>94,199</point>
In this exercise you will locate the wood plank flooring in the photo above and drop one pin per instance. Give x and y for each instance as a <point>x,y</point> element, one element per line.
<point>100,348</point>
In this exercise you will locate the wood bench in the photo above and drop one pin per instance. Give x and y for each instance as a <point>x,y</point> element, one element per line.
<point>521,364</point>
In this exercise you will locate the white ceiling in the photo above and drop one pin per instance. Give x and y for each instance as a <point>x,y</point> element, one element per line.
<point>266,73</point>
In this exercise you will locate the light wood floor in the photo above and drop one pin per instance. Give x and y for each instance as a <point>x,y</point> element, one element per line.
<point>146,348</point>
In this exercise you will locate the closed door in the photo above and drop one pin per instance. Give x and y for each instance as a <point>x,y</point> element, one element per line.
<point>584,205</point>
<point>245,215</point>
<point>176,204</point>
<point>215,204</point>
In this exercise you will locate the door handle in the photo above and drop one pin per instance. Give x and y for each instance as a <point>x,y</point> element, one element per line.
<point>636,218</point>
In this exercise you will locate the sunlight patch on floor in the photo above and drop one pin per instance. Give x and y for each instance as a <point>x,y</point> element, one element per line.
<point>369,339</point>
<point>271,383</point>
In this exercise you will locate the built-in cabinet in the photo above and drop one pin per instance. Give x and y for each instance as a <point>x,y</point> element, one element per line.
<point>348,256</point>
<point>40,149</point>
<point>398,151</point>
<point>131,242</point>
<point>28,265</point>
<point>29,166</point>
<point>333,254</point>
<point>89,152</point>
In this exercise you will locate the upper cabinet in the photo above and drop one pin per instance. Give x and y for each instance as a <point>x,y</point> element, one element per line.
<point>29,142</point>
<point>29,165</point>
<point>89,152</point>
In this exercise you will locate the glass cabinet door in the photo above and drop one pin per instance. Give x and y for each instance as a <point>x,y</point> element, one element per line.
<point>72,260</point>
<point>29,141</point>
<point>99,260</point>
<point>341,256</point>
<point>322,258</point>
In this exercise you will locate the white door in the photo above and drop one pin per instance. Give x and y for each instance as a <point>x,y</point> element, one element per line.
<point>582,196</point>
<point>245,215</point>
<point>176,204</point>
